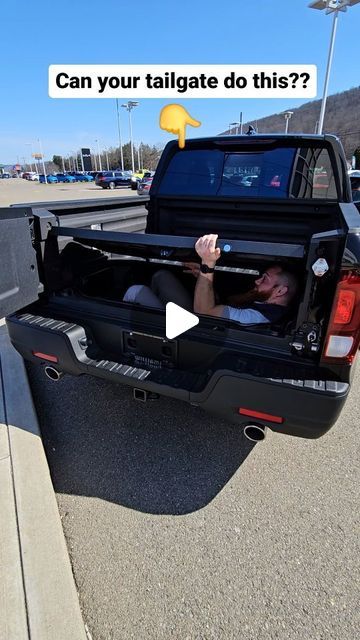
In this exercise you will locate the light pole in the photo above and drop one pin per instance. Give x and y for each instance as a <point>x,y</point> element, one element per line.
<point>76,160</point>
<point>107,159</point>
<point>331,6</point>
<point>42,157</point>
<point>138,157</point>
<point>29,144</point>
<point>119,132</point>
<point>99,156</point>
<point>129,106</point>
<point>241,123</point>
<point>287,116</point>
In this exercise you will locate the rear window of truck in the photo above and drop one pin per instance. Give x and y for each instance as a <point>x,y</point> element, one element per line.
<point>284,172</point>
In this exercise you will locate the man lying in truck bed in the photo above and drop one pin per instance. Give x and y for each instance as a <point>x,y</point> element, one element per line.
<point>267,302</point>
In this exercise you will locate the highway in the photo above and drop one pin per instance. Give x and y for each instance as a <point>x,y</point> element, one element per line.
<point>177,527</point>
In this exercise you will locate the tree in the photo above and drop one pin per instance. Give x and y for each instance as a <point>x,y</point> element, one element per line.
<point>357,158</point>
<point>149,157</point>
<point>58,161</point>
<point>51,167</point>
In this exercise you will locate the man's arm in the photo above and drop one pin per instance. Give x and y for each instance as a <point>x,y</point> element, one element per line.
<point>204,298</point>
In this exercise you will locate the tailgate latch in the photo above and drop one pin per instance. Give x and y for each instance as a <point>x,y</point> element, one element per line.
<point>307,338</point>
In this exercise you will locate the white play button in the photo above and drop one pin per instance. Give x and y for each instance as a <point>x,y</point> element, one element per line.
<point>178,320</point>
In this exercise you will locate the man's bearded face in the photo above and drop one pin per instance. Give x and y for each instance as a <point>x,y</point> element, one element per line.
<point>254,295</point>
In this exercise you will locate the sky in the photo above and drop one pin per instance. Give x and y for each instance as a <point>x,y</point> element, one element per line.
<point>35,35</point>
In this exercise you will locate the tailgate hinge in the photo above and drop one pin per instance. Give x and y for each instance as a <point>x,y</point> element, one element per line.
<point>44,221</point>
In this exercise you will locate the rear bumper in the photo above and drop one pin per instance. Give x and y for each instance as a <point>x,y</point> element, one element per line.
<point>309,408</point>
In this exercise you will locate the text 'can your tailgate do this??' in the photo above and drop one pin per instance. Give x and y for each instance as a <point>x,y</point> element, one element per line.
<point>185,81</point>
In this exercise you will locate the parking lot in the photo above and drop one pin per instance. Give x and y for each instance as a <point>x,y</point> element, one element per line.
<point>178,527</point>
<point>17,190</point>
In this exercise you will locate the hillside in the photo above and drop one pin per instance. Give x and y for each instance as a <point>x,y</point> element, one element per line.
<point>342,117</point>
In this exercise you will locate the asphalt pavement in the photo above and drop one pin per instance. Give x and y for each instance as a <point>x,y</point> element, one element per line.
<point>178,527</point>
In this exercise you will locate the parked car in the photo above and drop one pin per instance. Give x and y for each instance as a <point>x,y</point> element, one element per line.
<point>83,177</point>
<point>112,179</point>
<point>64,177</point>
<point>136,177</point>
<point>50,179</point>
<point>355,187</point>
<point>5,174</point>
<point>144,186</point>
<point>30,175</point>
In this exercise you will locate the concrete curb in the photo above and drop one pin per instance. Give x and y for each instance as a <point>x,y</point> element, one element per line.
<point>38,592</point>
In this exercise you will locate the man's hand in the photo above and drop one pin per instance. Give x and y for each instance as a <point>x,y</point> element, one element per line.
<point>206,249</point>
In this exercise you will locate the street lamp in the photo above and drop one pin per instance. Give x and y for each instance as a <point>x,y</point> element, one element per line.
<point>287,116</point>
<point>141,156</point>
<point>331,6</point>
<point>129,106</point>
<point>42,157</point>
<point>29,144</point>
<point>73,153</point>
<point>99,156</point>
<point>234,124</point>
<point>119,132</point>
<point>107,159</point>
<point>138,157</point>
<point>82,161</point>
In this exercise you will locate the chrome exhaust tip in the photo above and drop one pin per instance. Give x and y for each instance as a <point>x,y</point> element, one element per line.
<point>255,432</point>
<point>53,374</point>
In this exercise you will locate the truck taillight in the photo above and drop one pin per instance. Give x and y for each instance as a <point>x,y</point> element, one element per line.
<point>345,306</point>
<point>343,335</point>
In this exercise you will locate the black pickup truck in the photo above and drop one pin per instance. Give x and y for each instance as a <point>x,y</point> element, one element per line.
<point>270,198</point>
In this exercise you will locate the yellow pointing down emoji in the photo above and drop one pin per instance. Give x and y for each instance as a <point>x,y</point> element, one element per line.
<point>174,118</point>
